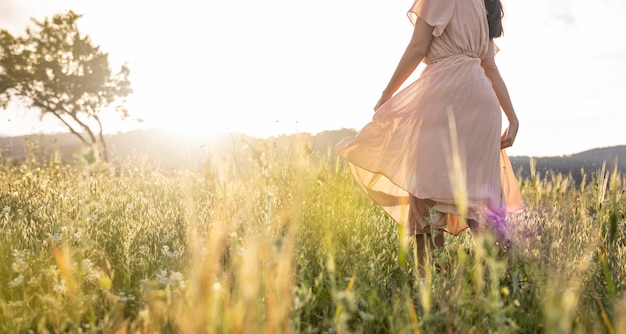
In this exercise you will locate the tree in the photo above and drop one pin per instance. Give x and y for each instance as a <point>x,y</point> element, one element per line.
<point>54,69</point>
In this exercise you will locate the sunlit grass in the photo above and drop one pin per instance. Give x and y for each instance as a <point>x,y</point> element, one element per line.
<point>272,238</point>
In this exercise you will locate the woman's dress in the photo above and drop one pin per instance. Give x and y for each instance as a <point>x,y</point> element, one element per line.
<point>438,139</point>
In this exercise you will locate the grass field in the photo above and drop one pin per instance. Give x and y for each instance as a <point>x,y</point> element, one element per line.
<point>270,238</point>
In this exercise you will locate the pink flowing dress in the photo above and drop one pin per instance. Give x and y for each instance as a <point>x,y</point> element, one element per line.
<point>438,139</point>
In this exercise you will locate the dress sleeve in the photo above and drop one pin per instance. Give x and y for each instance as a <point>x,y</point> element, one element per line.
<point>492,49</point>
<point>437,13</point>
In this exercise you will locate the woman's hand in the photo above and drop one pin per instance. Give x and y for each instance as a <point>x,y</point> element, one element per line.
<point>508,137</point>
<point>380,102</point>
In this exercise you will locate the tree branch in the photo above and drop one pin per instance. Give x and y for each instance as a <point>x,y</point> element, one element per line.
<point>47,108</point>
<point>83,125</point>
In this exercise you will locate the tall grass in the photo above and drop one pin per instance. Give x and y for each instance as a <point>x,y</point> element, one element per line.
<point>272,238</point>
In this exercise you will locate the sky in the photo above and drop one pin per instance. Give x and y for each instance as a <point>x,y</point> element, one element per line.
<point>284,66</point>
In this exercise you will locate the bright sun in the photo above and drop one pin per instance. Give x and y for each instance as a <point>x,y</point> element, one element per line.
<point>187,128</point>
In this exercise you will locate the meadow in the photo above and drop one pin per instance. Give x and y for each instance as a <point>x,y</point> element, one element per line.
<point>274,238</point>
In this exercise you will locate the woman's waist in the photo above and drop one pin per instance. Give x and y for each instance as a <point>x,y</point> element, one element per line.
<point>464,56</point>
<point>461,64</point>
<point>457,70</point>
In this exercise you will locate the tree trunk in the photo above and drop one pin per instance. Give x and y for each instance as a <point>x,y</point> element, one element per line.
<point>101,144</point>
<point>76,133</point>
<point>85,127</point>
<point>105,153</point>
<point>46,108</point>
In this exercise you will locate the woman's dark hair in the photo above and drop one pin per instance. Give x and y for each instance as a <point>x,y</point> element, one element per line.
<point>494,17</point>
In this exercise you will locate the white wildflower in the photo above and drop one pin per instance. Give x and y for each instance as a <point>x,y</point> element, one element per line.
<point>60,288</point>
<point>17,303</point>
<point>162,277</point>
<point>19,264</point>
<point>92,277</point>
<point>168,236</point>
<point>143,249</point>
<point>34,280</point>
<point>122,297</point>
<point>165,250</point>
<point>16,281</point>
<point>86,265</point>
<point>55,237</point>
<point>176,278</point>
<point>130,207</point>
<point>38,211</point>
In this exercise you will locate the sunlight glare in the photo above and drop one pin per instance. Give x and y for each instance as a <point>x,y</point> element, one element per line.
<point>192,129</point>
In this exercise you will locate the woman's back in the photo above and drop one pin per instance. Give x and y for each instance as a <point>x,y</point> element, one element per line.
<point>461,27</point>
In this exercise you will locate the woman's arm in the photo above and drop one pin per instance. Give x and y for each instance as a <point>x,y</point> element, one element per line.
<point>492,72</point>
<point>413,55</point>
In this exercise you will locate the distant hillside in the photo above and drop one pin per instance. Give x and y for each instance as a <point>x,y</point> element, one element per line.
<point>587,161</point>
<point>153,146</point>
<point>163,148</point>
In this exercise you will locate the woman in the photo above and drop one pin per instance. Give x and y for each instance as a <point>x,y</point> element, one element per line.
<point>433,155</point>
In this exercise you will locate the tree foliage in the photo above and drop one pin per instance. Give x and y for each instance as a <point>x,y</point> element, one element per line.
<point>55,69</point>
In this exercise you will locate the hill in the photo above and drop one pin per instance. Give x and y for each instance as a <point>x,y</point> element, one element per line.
<point>155,146</point>
<point>576,164</point>
<point>166,149</point>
